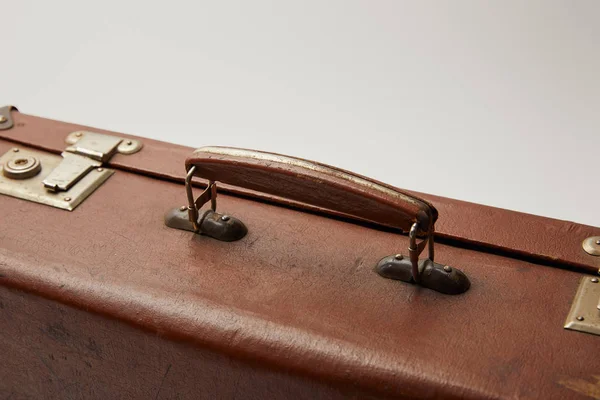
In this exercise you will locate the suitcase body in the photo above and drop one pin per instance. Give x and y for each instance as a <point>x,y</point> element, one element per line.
<point>106,301</point>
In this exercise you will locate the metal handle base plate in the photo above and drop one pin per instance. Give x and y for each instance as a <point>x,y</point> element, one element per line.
<point>438,277</point>
<point>219,226</point>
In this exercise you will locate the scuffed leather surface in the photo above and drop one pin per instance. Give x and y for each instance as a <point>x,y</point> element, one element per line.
<point>299,295</point>
<point>52,351</point>
<point>536,237</point>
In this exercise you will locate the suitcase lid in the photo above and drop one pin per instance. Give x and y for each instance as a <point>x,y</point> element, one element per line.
<point>529,237</point>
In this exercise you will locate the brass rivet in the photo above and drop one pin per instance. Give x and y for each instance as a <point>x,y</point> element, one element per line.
<point>16,150</point>
<point>100,169</point>
<point>447,268</point>
<point>3,119</point>
<point>225,218</point>
<point>580,318</point>
<point>591,245</point>
<point>79,134</point>
<point>595,280</point>
<point>67,199</point>
<point>398,256</point>
<point>182,208</point>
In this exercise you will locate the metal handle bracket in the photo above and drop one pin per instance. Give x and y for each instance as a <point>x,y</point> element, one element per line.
<point>326,187</point>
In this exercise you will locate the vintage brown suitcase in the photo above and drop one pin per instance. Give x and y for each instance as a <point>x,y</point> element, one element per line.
<point>106,292</point>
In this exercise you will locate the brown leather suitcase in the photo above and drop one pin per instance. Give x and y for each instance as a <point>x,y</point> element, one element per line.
<point>106,291</point>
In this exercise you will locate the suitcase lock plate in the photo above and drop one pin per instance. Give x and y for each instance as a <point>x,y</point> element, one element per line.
<point>62,181</point>
<point>585,310</point>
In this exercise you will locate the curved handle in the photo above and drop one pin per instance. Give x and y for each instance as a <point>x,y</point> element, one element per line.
<point>315,184</point>
<point>322,186</point>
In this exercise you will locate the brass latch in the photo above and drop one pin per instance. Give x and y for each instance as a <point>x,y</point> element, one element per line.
<point>88,150</point>
<point>62,181</point>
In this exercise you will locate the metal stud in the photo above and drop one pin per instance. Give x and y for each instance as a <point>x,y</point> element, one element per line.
<point>225,218</point>
<point>580,318</point>
<point>595,280</point>
<point>447,268</point>
<point>79,134</point>
<point>398,256</point>
<point>100,169</point>
<point>183,208</point>
<point>67,199</point>
<point>129,142</point>
<point>15,150</point>
<point>3,119</point>
<point>591,245</point>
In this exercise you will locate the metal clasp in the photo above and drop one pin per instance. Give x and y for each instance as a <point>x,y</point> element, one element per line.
<point>62,181</point>
<point>88,150</point>
<point>70,170</point>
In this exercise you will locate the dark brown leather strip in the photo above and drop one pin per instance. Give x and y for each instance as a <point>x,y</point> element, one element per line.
<point>544,239</point>
<point>313,183</point>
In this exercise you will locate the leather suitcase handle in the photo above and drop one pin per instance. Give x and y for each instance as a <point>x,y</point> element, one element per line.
<point>322,186</point>
<point>315,184</point>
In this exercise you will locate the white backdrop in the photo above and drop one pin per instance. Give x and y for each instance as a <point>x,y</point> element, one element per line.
<point>497,104</point>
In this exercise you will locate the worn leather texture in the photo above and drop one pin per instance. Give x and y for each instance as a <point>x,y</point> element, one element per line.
<point>53,351</point>
<point>530,237</point>
<point>297,299</point>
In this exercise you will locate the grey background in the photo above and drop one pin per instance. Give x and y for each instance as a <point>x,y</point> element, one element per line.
<point>492,102</point>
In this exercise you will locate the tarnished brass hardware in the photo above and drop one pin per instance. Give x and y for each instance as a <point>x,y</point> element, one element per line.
<point>22,167</point>
<point>31,188</point>
<point>99,146</point>
<point>6,121</point>
<point>71,170</point>
<point>591,245</point>
<point>210,223</point>
<point>88,150</point>
<point>584,315</point>
<point>62,181</point>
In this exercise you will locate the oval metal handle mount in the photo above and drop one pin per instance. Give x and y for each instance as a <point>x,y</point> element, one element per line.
<point>321,187</point>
